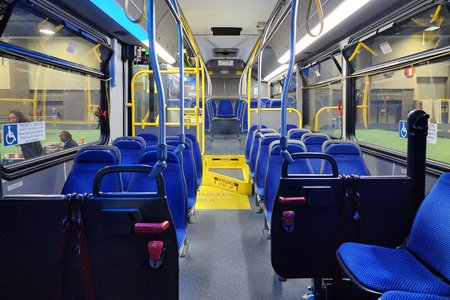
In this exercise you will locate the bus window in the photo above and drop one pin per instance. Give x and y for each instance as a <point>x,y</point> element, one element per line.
<point>384,100</point>
<point>323,96</point>
<point>46,106</point>
<point>423,32</point>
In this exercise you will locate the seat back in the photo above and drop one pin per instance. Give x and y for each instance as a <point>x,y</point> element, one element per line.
<point>174,182</point>
<point>275,103</point>
<point>118,243</point>
<point>313,143</point>
<point>262,159</point>
<point>273,171</point>
<point>88,161</point>
<point>429,239</point>
<point>249,141</point>
<point>129,147</point>
<point>297,133</point>
<point>255,148</point>
<point>150,138</point>
<point>197,157</point>
<point>189,171</point>
<point>348,158</point>
<point>225,108</point>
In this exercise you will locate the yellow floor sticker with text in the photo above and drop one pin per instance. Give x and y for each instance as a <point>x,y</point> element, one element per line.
<point>214,198</point>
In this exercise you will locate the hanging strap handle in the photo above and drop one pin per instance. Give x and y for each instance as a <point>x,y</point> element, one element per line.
<point>321,17</point>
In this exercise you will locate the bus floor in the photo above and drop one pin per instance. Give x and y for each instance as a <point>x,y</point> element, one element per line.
<point>228,258</point>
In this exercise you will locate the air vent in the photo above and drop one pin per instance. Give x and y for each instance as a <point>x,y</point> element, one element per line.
<point>225,52</point>
<point>226,30</point>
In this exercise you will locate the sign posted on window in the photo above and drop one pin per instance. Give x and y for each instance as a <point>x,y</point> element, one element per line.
<point>23,133</point>
<point>403,129</point>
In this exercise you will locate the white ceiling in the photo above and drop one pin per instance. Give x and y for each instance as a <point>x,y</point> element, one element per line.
<point>201,15</point>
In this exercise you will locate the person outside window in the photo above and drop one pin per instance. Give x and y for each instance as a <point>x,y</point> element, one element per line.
<point>29,150</point>
<point>67,139</point>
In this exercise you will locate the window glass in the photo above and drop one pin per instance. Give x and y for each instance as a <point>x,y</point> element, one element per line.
<point>45,110</point>
<point>425,31</point>
<point>324,109</point>
<point>385,99</point>
<point>37,32</point>
<point>322,71</point>
<point>323,96</point>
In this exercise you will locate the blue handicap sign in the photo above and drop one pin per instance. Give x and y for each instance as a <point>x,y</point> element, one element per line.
<point>403,129</point>
<point>10,137</point>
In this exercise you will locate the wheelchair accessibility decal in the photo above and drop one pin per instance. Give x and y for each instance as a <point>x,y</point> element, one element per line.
<point>402,129</point>
<point>22,133</point>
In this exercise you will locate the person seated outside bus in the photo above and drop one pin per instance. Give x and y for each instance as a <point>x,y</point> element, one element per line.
<point>29,150</point>
<point>67,139</point>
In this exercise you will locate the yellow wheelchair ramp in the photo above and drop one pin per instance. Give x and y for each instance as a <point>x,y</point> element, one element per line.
<point>226,183</point>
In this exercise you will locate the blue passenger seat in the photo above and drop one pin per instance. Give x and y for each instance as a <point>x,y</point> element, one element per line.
<point>420,265</point>
<point>297,133</point>
<point>400,295</point>
<point>254,150</point>
<point>273,173</point>
<point>175,189</point>
<point>189,170</point>
<point>129,147</point>
<point>348,158</point>
<point>150,138</point>
<point>197,157</point>
<point>88,161</point>
<point>261,166</point>
<point>249,141</point>
<point>313,143</point>
<point>225,109</point>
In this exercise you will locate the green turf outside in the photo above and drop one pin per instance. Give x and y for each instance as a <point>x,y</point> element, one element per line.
<point>391,140</point>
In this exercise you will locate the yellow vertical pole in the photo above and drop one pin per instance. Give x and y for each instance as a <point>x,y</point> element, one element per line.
<point>365,100</point>
<point>249,96</point>
<point>44,92</point>
<point>203,110</point>
<point>197,94</point>
<point>249,80</point>
<point>89,97</point>
<point>133,116</point>
<point>35,94</point>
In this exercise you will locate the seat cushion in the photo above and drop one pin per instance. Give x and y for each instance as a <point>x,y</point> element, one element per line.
<point>381,269</point>
<point>396,295</point>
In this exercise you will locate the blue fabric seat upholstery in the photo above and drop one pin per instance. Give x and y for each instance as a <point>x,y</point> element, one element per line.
<point>297,133</point>
<point>397,295</point>
<point>225,108</point>
<point>275,103</point>
<point>261,162</point>
<point>313,143</point>
<point>420,265</point>
<point>189,169</point>
<point>175,187</point>
<point>249,141</point>
<point>88,161</point>
<point>150,138</point>
<point>348,158</point>
<point>254,150</point>
<point>197,158</point>
<point>129,147</point>
<point>273,172</point>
